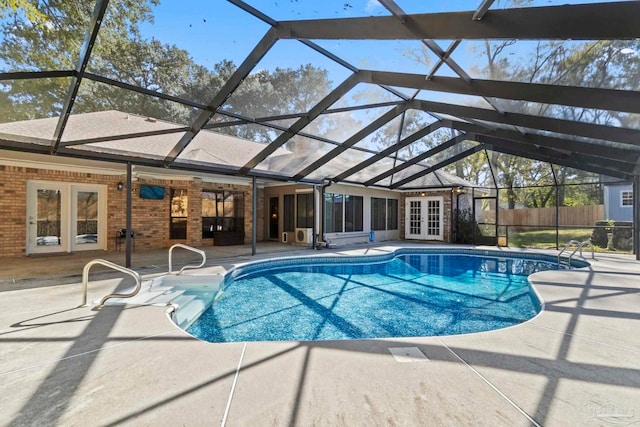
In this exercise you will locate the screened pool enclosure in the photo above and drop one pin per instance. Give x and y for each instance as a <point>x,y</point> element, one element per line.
<point>401,95</point>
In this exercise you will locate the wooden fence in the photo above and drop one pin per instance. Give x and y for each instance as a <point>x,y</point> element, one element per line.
<point>567,215</point>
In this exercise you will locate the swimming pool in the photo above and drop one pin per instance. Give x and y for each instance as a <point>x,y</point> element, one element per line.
<point>406,293</point>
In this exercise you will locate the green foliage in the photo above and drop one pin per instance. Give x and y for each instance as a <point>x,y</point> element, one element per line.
<point>603,64</point>
<point>611,64</point>
<point>47,35</point>
<point>621,231</point>
<point>546,237</point>
<point>122,54</point>
<point>474,168</point>
<point>56,46</point>
<point>464,226</point>
<point>31,12</point>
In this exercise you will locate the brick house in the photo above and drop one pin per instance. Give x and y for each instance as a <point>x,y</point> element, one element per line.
<point>62,204</point>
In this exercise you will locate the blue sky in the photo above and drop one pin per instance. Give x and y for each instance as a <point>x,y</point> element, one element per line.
<point>215,30</point>
<point>212,31</point>
<point>224,31</point>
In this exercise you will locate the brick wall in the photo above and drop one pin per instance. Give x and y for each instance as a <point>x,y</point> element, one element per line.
<point>13,203</point>
<point>150,218</point>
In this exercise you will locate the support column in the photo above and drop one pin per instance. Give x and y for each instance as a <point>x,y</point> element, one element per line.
<point>636,216</point>
<point>473,215</point>
<point>555,182</point>
<point>495,186</point>
<point>254,214</point>
<point>128,242</point>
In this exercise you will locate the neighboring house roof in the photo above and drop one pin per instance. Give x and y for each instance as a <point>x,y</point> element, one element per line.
<point>611,181</point>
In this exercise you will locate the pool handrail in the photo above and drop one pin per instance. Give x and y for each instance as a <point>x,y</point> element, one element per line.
<point>587,243</point>
<point>189,248</point>
<point>85,280</point>
<point>579,246</point>
<point>566,246</point>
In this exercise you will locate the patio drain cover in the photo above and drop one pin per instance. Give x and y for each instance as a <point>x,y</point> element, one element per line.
<point>407,354</point>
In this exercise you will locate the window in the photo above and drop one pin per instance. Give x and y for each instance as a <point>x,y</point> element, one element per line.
<point>433,217</point>
<point>222,211</point>
<point>289,212</point>
<point>332,213</point>
<point>342,213</point>
<point>392,214</point>
<point>384,214</point>
<point>378,213</point>
<point>353,213</point>
<point>626,198</point>
<point>304,217</point>
<point>178,214</point>
<point>86,217</point>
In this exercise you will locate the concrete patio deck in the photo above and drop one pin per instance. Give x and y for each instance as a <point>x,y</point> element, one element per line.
<point>577,363</point>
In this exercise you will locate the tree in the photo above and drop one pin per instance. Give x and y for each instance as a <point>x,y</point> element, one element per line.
<point>31,12</point>
<point>121,53</point>
<point>264,93</point>
<point>55,45</point>
<point>151,65</point>
<point>474,169</point>
<point>607,64</point>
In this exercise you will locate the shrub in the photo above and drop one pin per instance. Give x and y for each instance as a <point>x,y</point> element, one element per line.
<point>599,235</point>
<point>622,234</point>
<point>464,228</point>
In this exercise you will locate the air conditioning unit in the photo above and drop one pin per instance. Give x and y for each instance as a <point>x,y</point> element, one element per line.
<point>304,235</point>
<point>285,237</point>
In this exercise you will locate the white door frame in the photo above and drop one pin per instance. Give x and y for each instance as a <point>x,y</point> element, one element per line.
<point>417,221</point>
<point>68,217</point>
<point>414,218</point>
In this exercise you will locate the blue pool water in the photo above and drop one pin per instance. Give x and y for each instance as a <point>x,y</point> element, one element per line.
<point>411,294</point>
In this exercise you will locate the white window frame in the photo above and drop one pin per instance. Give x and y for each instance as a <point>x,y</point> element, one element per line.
<point>622,198</point>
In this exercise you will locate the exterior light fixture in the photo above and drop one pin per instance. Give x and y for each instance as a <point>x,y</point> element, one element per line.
<point>120,186</point>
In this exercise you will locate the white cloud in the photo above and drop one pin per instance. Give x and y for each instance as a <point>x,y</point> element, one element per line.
<point>628,51</point>
<point>372,5</point>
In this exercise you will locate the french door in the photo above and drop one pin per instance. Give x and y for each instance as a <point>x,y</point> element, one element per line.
<point>423,218</point>
<point>64,217</point>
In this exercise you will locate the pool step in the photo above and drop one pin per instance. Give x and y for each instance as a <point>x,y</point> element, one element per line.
<point>191,294</point>
<point>190,307</point>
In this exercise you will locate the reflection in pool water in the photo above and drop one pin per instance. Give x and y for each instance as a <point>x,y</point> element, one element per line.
<point>408,295</point>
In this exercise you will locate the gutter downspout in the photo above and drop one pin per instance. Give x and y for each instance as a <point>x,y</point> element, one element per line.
<point>636,216</point>
<point>321,222</point>
<point>314,237</point>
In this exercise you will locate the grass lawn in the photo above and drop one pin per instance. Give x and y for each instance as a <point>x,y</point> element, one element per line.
<point>547,238</point>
